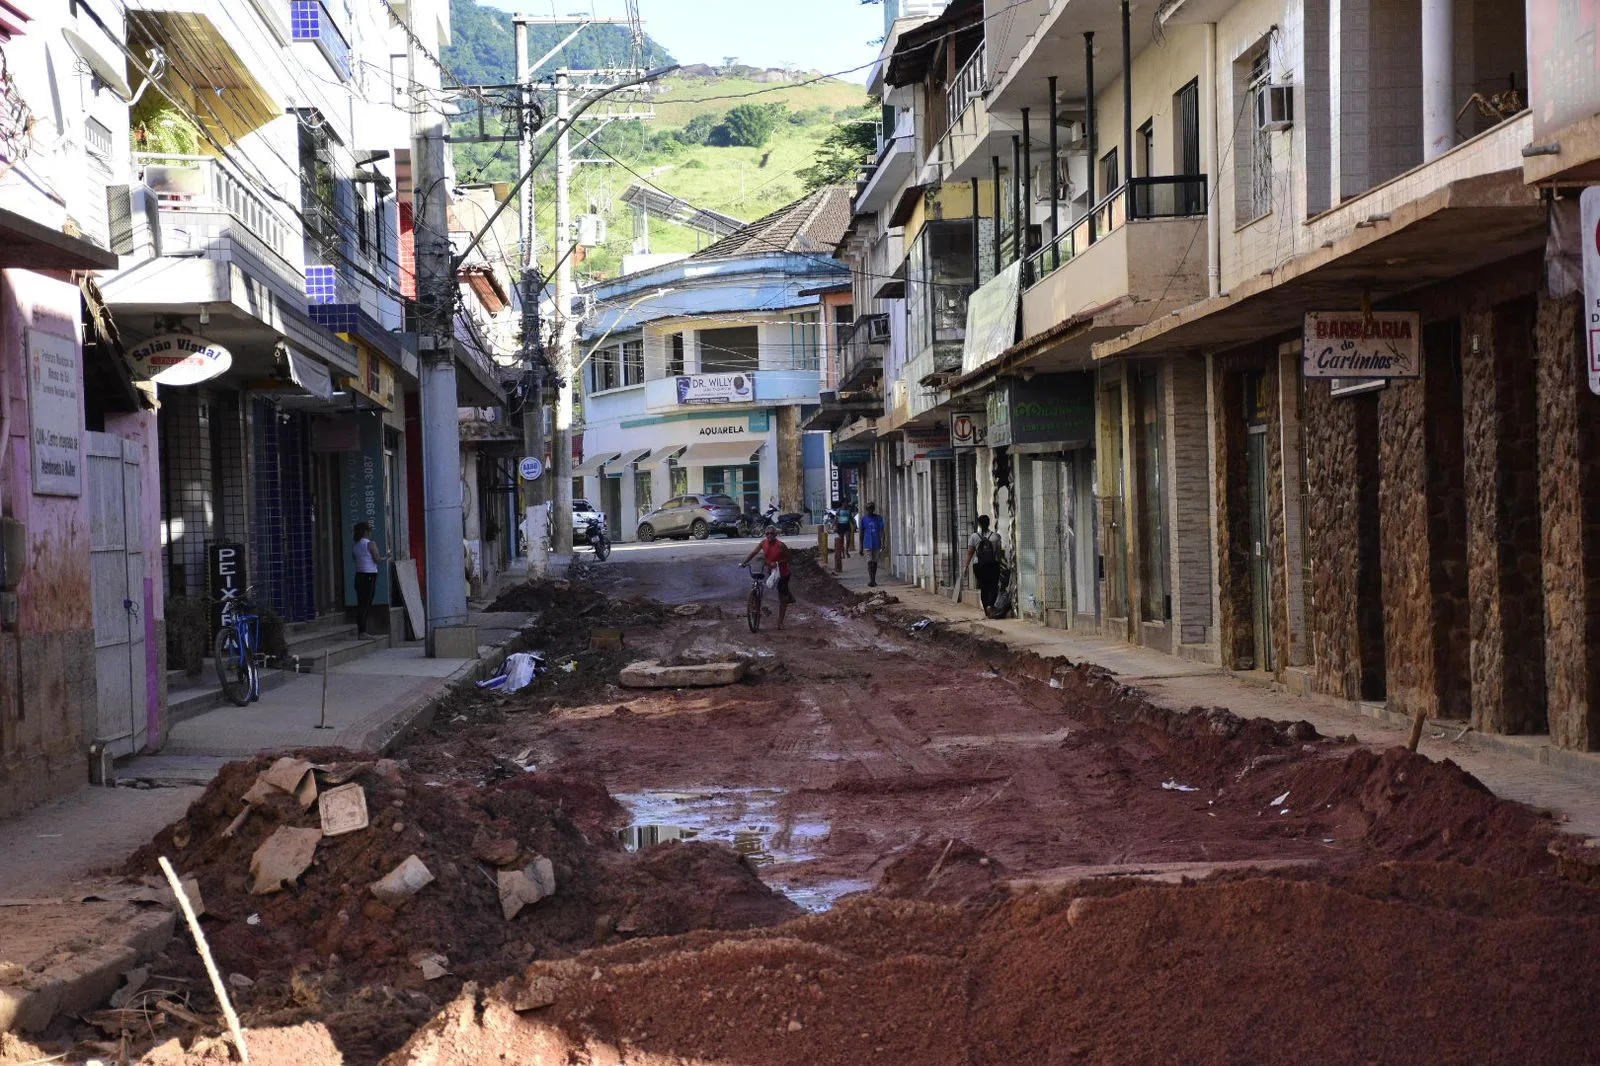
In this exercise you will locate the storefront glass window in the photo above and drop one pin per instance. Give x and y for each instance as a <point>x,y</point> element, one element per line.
<point>680,480</point>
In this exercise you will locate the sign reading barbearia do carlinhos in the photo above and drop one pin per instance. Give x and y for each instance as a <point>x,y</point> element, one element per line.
<point>1363,344</point>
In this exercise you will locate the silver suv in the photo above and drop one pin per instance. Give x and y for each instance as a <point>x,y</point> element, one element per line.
<point>696,515</point>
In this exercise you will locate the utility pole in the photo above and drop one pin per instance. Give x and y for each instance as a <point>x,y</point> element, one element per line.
<point>534,495</point>
<point>441,431</point>
<point>561,445</point>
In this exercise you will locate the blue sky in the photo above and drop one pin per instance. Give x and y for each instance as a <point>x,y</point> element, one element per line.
<point>825,35</point>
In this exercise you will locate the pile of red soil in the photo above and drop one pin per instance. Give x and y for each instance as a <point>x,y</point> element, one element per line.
<point>325,939</point>
<point>1263,969</point>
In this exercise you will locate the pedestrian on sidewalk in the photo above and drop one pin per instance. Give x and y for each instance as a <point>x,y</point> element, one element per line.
<point>841,534</point>
<point>776,553</point>
<point>366,557</point>
<point>872,541</point>
<point>983,555</point>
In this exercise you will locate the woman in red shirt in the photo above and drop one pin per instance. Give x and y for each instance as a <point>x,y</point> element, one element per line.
<point>776,553</point>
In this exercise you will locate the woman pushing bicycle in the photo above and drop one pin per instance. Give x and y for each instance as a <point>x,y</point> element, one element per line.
<point>776,553</point>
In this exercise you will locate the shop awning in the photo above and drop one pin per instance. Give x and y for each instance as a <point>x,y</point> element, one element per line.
<point>630,457</point>
<point>309,373</point>
<point>720,453</point>
<point>590,467</point>
<point>659,456</point>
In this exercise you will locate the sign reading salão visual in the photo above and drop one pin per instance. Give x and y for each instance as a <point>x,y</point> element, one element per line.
<point>180,359</point>
<point>1359,344</point>
<point>717,388</point>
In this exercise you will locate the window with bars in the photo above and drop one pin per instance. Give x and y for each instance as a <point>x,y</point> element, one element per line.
<point>1253,166</point>
<point>632,358</point>
<point>805,341</point>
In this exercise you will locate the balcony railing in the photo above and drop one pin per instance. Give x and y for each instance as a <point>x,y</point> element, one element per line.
<point>862,351</point>
<point>200,184</point>
<point>968,84</point>
<point>1173,196</point>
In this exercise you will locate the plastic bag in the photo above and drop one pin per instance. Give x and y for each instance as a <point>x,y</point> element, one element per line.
<point>772,579</point>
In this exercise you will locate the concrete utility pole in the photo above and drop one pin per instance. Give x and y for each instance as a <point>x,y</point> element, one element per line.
<point>534,494</point>
<point>441,431</point>
<point>561,444</point>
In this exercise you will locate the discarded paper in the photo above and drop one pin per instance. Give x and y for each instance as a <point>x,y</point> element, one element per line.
<point>1279,801</point>
<point>519,888</point>
<point>283,857</point>
<point>403,882</point>
<point>343,809</point>
<point>292,776</point>
<point>1173,786</point>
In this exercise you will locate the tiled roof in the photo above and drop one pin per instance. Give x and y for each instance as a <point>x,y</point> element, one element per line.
<point>813,224</point>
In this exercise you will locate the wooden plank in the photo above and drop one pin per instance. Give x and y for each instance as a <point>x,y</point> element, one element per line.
<point>411,591</point>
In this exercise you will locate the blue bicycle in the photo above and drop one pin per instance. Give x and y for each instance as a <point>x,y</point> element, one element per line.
<point>238,664</point>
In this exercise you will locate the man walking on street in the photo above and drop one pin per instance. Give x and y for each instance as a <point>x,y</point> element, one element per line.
<point>872,542</point>
<point>983,555</point>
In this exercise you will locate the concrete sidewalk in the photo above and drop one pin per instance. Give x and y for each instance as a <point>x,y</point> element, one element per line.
<point>1522,768</point>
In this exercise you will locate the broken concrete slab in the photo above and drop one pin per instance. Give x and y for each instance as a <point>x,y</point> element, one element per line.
<point>650,673</point>
<point>69,957</point>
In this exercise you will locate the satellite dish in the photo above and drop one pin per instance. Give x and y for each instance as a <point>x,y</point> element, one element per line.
<point>103,69</point>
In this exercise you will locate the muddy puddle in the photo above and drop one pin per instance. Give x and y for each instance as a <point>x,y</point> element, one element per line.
<point>751,822</point>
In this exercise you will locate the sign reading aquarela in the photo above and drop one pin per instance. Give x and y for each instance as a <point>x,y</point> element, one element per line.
<point>717,388</point>
<point>1362,344</point>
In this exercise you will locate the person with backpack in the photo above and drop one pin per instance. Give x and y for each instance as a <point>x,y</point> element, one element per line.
<point>983,555</point>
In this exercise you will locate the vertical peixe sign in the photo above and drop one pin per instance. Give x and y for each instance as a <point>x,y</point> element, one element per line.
<point>362,495</point>
<point>55,412</point>
<point>1589,235</point>
<point>225,572</point>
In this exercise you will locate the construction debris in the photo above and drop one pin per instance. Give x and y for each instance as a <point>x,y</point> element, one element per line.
<point>650,673</point>
<point>283,858</point>
<point>519,888</point>
<point>343,810</point>
<point>403,882</point>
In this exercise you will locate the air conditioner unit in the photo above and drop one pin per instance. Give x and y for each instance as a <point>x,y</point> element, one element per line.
<point>1072,133</point>
<point>133,216</point>
<point>878,329</point>
<point>1275,107</point>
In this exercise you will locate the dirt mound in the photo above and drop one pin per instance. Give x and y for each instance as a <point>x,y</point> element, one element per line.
<point>952,872</point>
<point>1251,970</point>
<point>325,948</point>
<point>813,581</point>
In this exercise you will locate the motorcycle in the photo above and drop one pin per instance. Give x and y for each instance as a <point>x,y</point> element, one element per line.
<point>753,522</point>
<point>595,536</point>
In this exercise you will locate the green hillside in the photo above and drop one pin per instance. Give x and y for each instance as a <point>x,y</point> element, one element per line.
<point>683,150</point>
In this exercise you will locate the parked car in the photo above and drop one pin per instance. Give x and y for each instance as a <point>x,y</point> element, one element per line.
<point>696,515</point>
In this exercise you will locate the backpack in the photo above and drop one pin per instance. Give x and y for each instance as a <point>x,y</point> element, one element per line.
<point>986,555</point>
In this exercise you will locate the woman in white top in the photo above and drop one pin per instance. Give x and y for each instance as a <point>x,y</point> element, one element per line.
<point>366,557</point>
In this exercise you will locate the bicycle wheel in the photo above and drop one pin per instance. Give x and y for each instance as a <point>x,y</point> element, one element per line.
<point>752,609</point>
<point>233,670</point>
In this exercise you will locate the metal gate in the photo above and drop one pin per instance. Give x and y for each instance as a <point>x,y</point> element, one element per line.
<point>116,570</point>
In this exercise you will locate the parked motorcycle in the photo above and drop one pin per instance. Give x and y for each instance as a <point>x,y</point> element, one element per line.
<point>594,535</point>
<point>788,524</point>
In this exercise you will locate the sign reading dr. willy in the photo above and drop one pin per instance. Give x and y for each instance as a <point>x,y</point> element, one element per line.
<point>717,388</point>
<point>180,359</point>
<point>1360,344</point>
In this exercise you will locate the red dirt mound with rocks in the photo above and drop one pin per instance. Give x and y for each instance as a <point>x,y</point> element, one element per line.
<point>326,948</point>
<point>1259,969</point>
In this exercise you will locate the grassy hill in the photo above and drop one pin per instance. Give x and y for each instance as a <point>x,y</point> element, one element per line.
<point>744,182</point>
